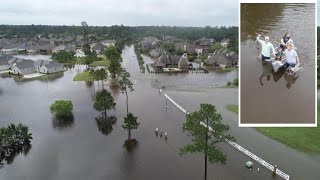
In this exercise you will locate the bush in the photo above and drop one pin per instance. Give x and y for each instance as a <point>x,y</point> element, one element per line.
<point>229,83</point>
<point>63,57</point>
<point>235,82</point>
<point>61,108</point>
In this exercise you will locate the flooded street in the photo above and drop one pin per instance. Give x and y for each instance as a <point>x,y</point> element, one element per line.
<point>79,150</point>
<point>268,97</point>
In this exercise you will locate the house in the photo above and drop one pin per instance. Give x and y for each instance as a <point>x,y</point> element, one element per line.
<point>23,67</point>
<point>156,52</point>
<point>166,60</point>
<point>108,42</point>
<point>61,48</point>
<point>148,43</point>
<point>39,63</point>
<point>233,57</point>
<point>183,62</point>
<point>51,67</point>
<point>4,62</point>
<point>98,47</point>
<point>219,60</point>
<point>30,48</point>
<point>225,42</point>
<point>9,49</point>
<point>46,49</point>
<point>79,53</point>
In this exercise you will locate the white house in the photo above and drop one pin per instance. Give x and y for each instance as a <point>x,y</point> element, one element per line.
<point>23,67</point>
<point>51,67</point>
<point>225,42</point>
<point>108,42</point>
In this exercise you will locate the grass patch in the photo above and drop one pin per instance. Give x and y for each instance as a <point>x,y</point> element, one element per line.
<point>300,138</point>
<point>84,76</point>
<point>233,108</point>
<point>100,63</point>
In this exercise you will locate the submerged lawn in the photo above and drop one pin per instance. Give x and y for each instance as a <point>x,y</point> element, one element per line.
<point>303,139</point>
<point>84,76</point>
<point>233,108</point>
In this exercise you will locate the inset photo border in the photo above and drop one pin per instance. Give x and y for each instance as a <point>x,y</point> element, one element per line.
<point>278,63</point>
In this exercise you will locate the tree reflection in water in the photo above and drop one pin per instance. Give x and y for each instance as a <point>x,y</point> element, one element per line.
<point>7,155</point>
<point>105,124</point>
<point>61,123</point>
<point>130,145</point>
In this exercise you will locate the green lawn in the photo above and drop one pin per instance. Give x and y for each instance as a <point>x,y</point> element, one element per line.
<point>100,63</point>
<point>84,76</point>
<point>233,108</point>
<point>302,139</point>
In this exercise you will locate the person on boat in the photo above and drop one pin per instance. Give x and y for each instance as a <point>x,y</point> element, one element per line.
<point>267,48</point>
<point>285,40</point>
<point>291,57</point>
<point>280,54</point>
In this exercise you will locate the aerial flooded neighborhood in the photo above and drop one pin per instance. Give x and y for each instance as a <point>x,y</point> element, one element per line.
<point>146,92</point>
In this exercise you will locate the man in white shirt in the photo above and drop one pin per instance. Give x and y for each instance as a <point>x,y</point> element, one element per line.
<point>267,48</point>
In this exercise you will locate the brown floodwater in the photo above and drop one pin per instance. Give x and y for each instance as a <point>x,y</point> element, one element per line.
<point>268,97</point>
<point>90,148</point>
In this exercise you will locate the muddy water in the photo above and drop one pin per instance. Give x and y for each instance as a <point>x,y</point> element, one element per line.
<point>88,149</point>
<point>276,98</point>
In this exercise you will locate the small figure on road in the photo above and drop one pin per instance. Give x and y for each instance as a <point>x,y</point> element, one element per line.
<point>161,133</point>
<point>165,135</point>
<point>156,131</point>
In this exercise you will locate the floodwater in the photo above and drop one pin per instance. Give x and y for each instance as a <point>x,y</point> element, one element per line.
<point>88,148</point>
<point>268,97</point>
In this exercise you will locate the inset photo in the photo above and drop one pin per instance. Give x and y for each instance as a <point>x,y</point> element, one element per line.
<point>277,64</point>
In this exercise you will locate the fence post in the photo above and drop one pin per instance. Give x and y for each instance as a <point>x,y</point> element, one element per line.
<point>274,170</point>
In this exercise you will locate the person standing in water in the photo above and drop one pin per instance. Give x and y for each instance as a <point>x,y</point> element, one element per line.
<point>267,48</point>
<point>291,57</point>
<point>284,40</point>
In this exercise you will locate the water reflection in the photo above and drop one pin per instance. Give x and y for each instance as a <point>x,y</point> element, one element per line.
<point>7,155</point>
<point>62,123</point>
<point>105,124</point>
<point>268,71</point>
<point>291,79</point>
<point>130,145</point>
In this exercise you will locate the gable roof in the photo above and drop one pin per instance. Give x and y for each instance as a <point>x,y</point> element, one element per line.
<point>53,65</point>
<point>25,64</point>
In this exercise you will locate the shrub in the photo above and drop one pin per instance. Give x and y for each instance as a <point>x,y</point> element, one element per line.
<point>61,108</point>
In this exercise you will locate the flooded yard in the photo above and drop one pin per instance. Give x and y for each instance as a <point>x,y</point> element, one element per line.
<point>85,148</point>
<point>268,97</point>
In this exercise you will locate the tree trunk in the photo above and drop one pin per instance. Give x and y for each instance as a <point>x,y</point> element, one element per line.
<point>205,154</point>
<point>129,135</point>
<point>105,114</point>
<point>127,103</point>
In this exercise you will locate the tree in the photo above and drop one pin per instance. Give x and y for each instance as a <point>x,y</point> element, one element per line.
<point>85,31</point>
<point>169,46</point>
<point>130,123</point>
<point>62,109</point>
<point>125,84</point>
<point>204,139</point>
<point>114,56</point>
<point>216,46</point>
<point>104,101</point>
<point>87,60</point>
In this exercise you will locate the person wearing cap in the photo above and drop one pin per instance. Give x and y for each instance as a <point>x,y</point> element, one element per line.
<point>267,48</point>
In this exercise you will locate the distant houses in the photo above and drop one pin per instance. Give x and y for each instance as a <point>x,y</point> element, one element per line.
<point>21,66</point>
<point>222,59</point>
<point>108,42</point>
